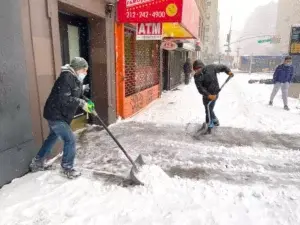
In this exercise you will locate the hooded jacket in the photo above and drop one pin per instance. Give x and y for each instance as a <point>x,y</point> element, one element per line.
<point>65,97</point>
<point>206,80</point>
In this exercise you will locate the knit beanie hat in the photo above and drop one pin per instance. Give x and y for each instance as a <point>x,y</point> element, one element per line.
<point>198,64</point>
<point>79,63</point>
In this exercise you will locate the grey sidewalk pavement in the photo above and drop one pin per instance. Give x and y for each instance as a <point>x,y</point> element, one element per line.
<point>223,156</point>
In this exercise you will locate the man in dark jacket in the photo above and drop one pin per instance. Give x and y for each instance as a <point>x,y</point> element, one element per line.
<point>61,106</point>
<point>207,83</point>
<point>282,78</point>
<point>187,69</point>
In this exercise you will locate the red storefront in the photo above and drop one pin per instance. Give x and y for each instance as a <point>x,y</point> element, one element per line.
<point>138,69</point>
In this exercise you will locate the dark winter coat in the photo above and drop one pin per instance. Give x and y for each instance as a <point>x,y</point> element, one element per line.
<point>64,98</point>
<point>206,80</point>
<point>283,74</point>
<point>187,68</point>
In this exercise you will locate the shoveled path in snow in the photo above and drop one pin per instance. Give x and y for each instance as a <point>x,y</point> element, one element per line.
<point>246,173</point>
<point>255,142</point>
<point>233,155</point>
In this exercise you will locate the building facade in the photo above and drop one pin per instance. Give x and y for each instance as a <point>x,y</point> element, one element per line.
<point>211,31</point>
<point>40,36</point>
<point>143,68</point>
<point>125,74</point>
<point>137,70</point>
<point>288,14</point>
<point>202,21</point>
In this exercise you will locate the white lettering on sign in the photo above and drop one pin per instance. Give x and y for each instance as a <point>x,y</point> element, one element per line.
<point>130,3</point>
<point>156,28</point>
<point>149,31</point>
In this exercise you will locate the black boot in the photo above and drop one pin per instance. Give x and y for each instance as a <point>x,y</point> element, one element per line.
<point>38,164</point>
<point>286,108</point>
<point>270,103</point>
<point>216,122</point>
<point>71,173</point>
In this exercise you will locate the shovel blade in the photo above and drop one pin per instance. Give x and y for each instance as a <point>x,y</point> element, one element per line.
<point>202,130</point>
<point>139,162</point>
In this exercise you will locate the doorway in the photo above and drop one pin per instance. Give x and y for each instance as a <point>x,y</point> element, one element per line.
<point>166,75</point>
<point>74,39</point>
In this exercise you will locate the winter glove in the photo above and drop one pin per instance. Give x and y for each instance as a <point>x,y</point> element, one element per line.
<point>212,97</point>
<point>89,107</point>
<point>230,74</point>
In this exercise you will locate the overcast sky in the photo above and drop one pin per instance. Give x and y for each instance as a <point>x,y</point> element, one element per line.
<point>240,10</point>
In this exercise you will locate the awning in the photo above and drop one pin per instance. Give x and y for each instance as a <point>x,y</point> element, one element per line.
<point>180,18</point>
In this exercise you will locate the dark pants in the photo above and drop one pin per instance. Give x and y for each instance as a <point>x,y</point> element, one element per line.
<point>209,111</point>
<point>62,130</point>
<point>187,77</point>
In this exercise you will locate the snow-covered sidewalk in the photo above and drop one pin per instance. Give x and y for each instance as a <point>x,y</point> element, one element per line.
<point>246,173</point>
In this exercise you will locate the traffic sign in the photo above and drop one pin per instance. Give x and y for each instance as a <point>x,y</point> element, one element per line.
<point>273,40</point>
<point>264,41</point>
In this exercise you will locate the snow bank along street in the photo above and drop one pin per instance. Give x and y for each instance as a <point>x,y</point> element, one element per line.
<point>247,172</point>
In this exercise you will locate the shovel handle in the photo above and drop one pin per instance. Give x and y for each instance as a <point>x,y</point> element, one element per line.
<point>226,81</point>
<point>115,140</point>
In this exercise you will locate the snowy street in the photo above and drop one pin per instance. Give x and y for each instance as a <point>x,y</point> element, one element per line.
<point>246,172</point>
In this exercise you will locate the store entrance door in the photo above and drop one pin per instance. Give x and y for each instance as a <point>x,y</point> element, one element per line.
<point>74,38</point>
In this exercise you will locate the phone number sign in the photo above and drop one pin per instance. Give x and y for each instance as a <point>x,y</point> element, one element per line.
<point>149,11</point>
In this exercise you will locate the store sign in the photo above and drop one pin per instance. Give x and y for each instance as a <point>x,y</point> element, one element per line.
<point>295,40</point>
<point>149,31</point>
<point>149,11</point>
<point>169,45</point>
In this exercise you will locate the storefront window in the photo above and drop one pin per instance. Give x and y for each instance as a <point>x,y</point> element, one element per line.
<point>144,53</point>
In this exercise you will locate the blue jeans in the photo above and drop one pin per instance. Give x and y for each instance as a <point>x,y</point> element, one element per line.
<point>62,130</point>
<point>209,111</point>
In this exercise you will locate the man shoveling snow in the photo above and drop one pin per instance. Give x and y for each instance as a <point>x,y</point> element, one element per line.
<point>65,98</point>
<point>61,106</point>
<point>207,83</point>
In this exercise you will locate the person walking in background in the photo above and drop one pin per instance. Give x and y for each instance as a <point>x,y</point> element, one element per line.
<point>282,78</point>
<point>187,69</point>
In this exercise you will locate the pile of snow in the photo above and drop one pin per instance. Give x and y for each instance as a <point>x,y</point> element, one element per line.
<point>47,198</point>
<point>153,176</point>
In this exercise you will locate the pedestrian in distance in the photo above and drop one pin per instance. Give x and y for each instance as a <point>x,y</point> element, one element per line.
<point>207,83</point>
<point>187,69</point>
<point>282,78</point>
<point>60,108</point>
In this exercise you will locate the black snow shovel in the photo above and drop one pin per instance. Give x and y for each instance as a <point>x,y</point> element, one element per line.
<point>205,129</point>
<point>136,165</point>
